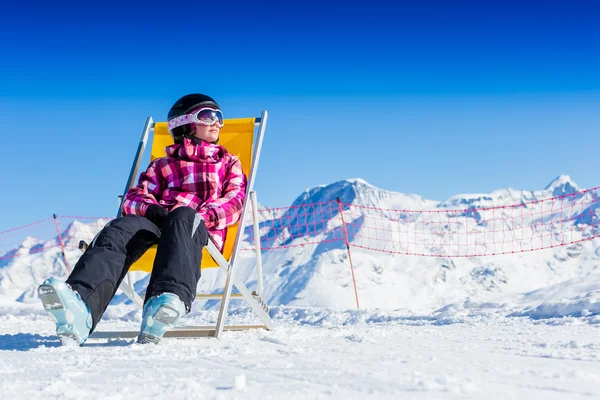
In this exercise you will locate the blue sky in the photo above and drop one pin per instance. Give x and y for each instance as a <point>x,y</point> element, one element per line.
<point>432,98</point>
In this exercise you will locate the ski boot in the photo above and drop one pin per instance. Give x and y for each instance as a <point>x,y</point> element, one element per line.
<point>72,315</point>
<point>161,313</point>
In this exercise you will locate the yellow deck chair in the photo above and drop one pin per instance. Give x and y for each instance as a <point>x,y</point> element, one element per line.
<point>239,138</point>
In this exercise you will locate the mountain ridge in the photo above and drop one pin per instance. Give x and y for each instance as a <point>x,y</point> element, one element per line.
<point>319,274</point>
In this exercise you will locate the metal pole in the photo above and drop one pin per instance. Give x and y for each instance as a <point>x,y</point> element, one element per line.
<point>348,248</point>
<point>62,246</point>
<point>137,160</point>
<point>259,272</point>
<point>126,284</point>
<point>256,307</point>
<point>249,187</point>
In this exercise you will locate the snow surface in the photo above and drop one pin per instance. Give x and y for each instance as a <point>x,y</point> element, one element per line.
<point>313,353</point>
<point>523,325</point>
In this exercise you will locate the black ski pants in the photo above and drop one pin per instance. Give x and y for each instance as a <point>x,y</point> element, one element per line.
<point>100,270</point>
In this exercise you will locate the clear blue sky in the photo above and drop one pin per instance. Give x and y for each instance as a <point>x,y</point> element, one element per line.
<point>425,97</point>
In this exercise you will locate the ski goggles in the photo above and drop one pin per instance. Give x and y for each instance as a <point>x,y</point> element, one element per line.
<point>202,116</point>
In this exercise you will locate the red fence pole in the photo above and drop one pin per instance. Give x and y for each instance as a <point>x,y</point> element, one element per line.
<point>348,248</point>
<point>62,246</point>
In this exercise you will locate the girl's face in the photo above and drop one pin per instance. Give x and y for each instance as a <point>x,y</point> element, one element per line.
<point>208,133</point>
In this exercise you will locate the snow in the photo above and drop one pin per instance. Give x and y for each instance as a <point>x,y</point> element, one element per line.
<point>313,353</point>
<point>560,186</point>
<point>523,325</point>
<point>583,306</point>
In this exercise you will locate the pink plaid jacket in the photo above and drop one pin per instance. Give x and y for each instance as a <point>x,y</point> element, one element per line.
<point>202,176</point>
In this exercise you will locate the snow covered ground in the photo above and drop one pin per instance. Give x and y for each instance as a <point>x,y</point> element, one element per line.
<point>313,353</point>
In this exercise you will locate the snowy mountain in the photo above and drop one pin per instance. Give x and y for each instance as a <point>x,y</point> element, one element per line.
<point>35,261</point>
<point>313,269</point>
<point>358,191</point>
<point>560,186</point>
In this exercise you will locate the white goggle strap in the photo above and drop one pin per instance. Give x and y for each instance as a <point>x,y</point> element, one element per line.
<point>181,120</point>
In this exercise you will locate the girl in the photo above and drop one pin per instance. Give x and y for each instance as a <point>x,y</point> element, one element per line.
<point>180,202</point>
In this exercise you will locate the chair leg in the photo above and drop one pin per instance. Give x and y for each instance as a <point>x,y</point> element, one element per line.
<point>127,288</point>
<point>257,306</point>
<point>259,274</point>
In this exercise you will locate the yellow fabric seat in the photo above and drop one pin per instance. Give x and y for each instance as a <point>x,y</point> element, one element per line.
<point>237,136</point>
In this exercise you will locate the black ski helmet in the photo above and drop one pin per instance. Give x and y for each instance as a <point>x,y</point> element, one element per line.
<point>184,105</point>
